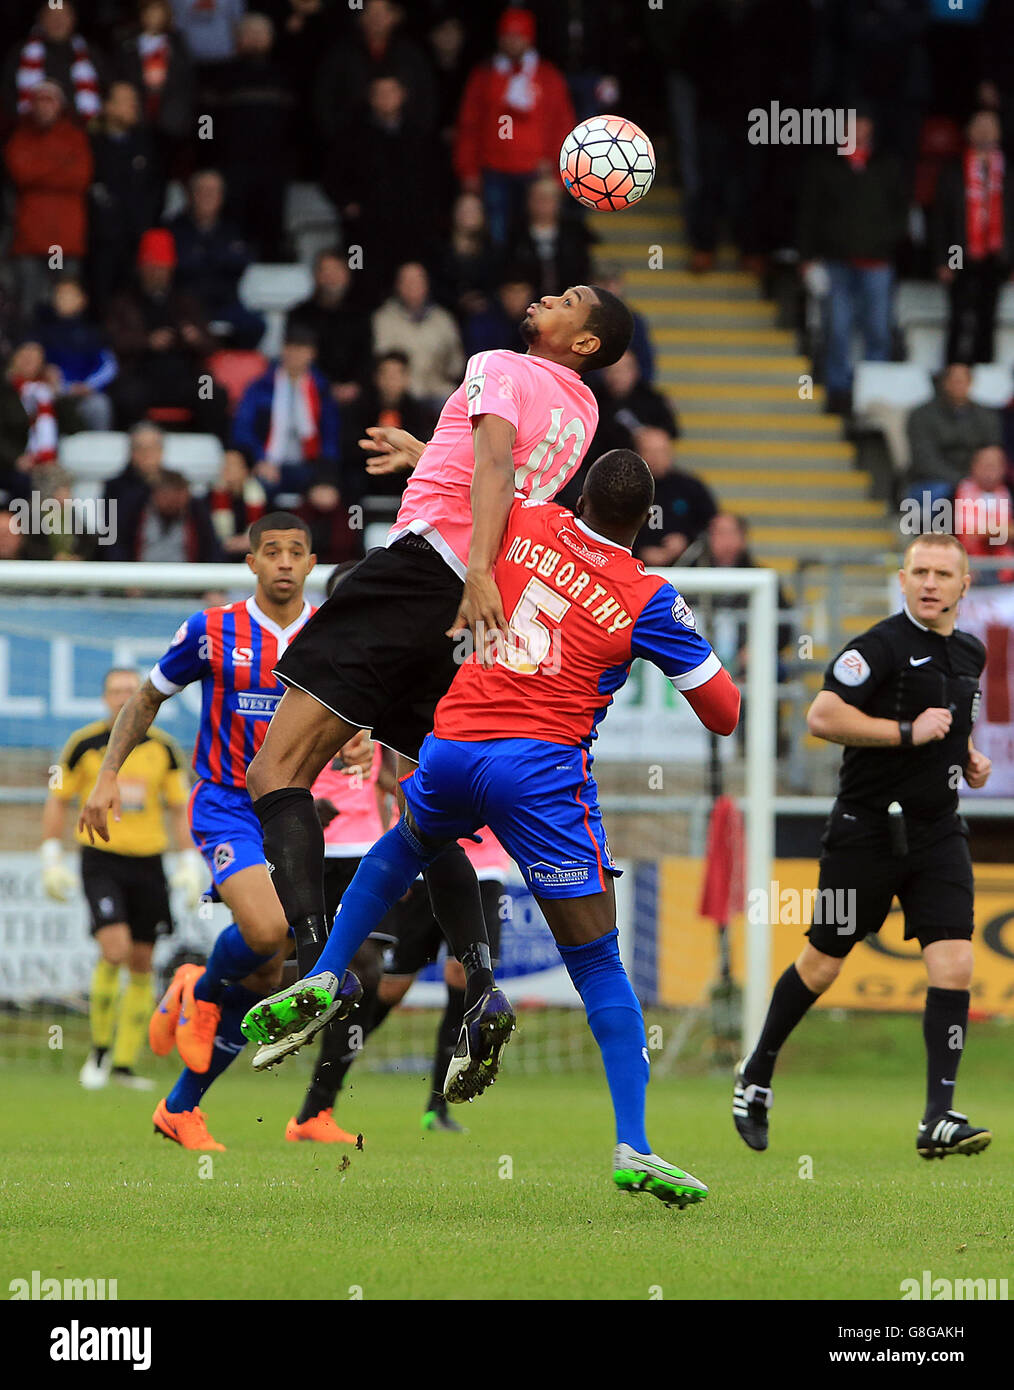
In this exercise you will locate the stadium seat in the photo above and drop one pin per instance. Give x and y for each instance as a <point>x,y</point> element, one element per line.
<point>94,455</point>
<point>235,369</point>
<point>925,344</point>
<point>266,288</point>
<point>992,384</point>
<point>902,384</point>
<point>920,301</point>
<point>197,456</point>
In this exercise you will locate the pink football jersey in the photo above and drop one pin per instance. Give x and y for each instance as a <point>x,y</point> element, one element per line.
<point>357,826</point>
<point>555,415</point>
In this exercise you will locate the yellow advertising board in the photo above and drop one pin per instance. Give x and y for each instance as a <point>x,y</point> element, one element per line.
<point>883,972</point>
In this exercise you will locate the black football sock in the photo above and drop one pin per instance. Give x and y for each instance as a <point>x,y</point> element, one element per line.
<point>457,906</point>
<point>790,1000</point>
<point>447,1041</point>
<point>339,1048</point>
<point>294,849</point>
<point>944,1028</point>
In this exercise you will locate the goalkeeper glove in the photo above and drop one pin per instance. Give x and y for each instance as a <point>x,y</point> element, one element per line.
<point>58,880</point>
<point>190,877</point>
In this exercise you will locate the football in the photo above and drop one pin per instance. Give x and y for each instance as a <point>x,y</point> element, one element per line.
<point>607,163</point>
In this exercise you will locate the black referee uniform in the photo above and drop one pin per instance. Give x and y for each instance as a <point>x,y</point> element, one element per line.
<point>919,854</point>
<point>894,831</point>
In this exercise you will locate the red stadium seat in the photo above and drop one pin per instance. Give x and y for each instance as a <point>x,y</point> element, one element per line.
<point>234,369</point>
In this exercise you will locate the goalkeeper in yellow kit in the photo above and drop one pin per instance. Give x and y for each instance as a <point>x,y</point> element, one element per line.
<point>124,881</point>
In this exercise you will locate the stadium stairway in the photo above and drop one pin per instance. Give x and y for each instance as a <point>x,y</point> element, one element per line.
<point>776,458</point>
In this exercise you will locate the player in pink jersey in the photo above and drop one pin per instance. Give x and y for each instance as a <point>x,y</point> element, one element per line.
<point>382,651</point>
<point>510,748</point>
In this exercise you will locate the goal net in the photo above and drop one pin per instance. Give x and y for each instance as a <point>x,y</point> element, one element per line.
<point>702,976</point>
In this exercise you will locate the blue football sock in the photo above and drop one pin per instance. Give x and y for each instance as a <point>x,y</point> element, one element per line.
<point>615,1018</point>
<point>229,1043</point>
<point>384,875</point>
<point>231,959</point>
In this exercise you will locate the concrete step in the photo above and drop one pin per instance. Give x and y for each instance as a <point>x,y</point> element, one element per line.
<point>744,368</point>
<point>782,450</point>
<point>759,424</point>
<point>803,511</point>
<point>741,496</point>
<point>734,397</point>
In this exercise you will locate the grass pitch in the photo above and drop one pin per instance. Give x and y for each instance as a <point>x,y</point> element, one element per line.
<point>522,1206</point>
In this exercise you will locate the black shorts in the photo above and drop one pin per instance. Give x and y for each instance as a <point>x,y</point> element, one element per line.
<point>338,874</point>
<point>419,937</point>
<point>126,888</point>
<point>375,653</point>
<point>860,877</point>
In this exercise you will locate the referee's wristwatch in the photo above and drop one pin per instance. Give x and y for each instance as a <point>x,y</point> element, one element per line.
<point>905,728</point>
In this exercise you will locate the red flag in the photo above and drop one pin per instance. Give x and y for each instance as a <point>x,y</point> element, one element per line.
<point>722,892</point>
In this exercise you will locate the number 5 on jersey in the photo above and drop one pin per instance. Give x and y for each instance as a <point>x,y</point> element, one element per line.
<point>530,641</point>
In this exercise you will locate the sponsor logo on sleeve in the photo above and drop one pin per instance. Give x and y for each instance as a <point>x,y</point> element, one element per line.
<point>474,386</point>
<point>851,668</point>
<point>683,613</point>
<point>179,635</point>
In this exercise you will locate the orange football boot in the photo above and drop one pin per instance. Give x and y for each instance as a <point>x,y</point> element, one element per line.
<point>162,1024</point>
<point>188,1128</point>
<point>320,1129</point>
<point>196,1028</point>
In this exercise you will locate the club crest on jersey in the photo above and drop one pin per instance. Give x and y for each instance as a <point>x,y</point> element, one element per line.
<point>474,385</point>
<point>851,668</point>
<point>224,856</point>
<point>683,613</point>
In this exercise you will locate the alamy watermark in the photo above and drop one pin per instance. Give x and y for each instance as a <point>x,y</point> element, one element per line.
<point>987,516</point>
<point>37,515</point>
<point>788,125</point>
<point>795,907</point>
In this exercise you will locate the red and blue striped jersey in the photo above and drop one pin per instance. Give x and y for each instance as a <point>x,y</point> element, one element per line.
<point>231,651</point>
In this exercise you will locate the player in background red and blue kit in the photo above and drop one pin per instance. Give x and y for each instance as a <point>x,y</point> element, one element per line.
<point>231,650</point>
<point>511,748</point>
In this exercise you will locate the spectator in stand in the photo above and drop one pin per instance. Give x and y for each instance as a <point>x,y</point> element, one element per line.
<point>126,193</point>
<point>12,538</point>
<point>944,433</point>
<point>49,416</point>
<point>342,332</point>
<point>15,461</point>
<point>54,542</point>
<point>625,404</point>
<point>550,250</point>
<point>50,164</point>
<point>447,56</point>
<point>519,84</point>
<point>499,324</point>
<point>982,513</point>
<point>130,489</point>
<point>379,48</point>
<point>683,506</point>
<point>287,425</point>
<point>54,51</point>
<point>973,218</point>
<point>156,62</point>
<point>208,28</point>
<point>306,32</point>
<point>852,217</point>
<point>381,180</point>
<point>612,278</point>
<point>237,500</point>
<point>75,346</point>
<point>253,109</point>
<point>211,257</point>
<point>160,336</point>
<point>386,401</point>
<point>410,321</point>
<point>173,527</point>
<point>464,270</point>
<point>725,545</point>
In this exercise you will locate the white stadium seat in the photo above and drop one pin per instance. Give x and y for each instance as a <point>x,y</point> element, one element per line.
<point>94,455</point>
<point>920,301</point>
<point>264,287</point>
<point>925,344</point>
<point>992,384</point>
<point>197,456</point>
<point>902,384</point>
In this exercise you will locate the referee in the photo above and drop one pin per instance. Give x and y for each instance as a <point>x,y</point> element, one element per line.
<point>123,881</point>
<point>902,700</point>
